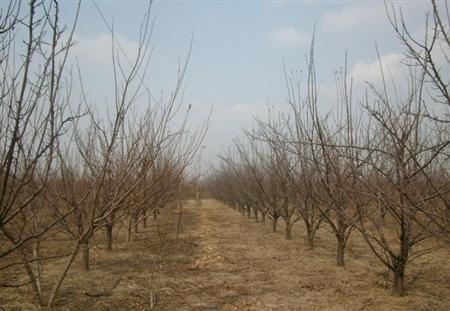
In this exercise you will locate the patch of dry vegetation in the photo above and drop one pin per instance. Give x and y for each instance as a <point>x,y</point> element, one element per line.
<point>223,261</point>
<point>261,270</point>
<point>135,276</point>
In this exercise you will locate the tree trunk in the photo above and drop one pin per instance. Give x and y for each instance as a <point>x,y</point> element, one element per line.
<point>340,251</point>
<point>145,219</point>
<point>399,265</point>
<point>197,196</point>
<point>180,215</point>
<point>85,254</point>
<point>398,289</point>
<point>249,212</point>
<point>274,223</point>
<point>57,286</point>
<point>255,211</point>
<point>130,226</point>
<point>288,230</point>
<point>32,277</point>
<point>136,224</point>
<point>263,218</point>
<point>109,230</point>
<point>36,255</point>
<point>309,235</point>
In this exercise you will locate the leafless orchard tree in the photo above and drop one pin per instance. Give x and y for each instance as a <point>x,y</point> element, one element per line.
<point>403,181</point>
<point>318,139</point>
<point>34,115</point>
<point>261,164</point>
<point>283,164</point>
<point>306,177</point>
<point>428,50</point>
<point>406,176</point>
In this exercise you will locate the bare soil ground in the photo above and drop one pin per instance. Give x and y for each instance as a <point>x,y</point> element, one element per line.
<point>224,261</point>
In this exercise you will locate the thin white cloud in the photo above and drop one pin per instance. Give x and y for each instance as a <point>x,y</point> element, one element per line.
<point>393,69</point>
<point>98,50</point>
<point>354,17</point>
<point>288,37</point>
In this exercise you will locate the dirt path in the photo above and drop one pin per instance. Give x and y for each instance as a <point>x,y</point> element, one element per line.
<point>242,265</point>
<point>239,263</point>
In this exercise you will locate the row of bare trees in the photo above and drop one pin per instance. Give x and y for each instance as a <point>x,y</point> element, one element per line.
<point>67,171</point>
<point>379,168</point>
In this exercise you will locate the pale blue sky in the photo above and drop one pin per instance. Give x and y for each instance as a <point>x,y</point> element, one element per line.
<point>238,50</point>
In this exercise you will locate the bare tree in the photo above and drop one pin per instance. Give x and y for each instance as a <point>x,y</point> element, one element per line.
<point>34,115</point>
<point>407,192</point>
<point>428,51</point>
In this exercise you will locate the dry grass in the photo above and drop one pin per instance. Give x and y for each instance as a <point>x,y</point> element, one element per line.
<point>223,261</point>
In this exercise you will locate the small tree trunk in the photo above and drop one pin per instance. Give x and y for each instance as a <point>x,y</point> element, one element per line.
<point>32,277</point>
<point>179,219</point>
<point>109,236</point>
<point>288,230</point>
<point>309,235</point>
<point>145,219</point>
<point>85,254</point>
<point>398,288</point>
<point>274,223</point>
<point>130,226</point>
<point>55,290</point>
<point>36,255</point>
<point>263,218</point>
<point>340,251</point>
<point>197,196</point>
<point>136,224</point>
<point>249,212</point>
<point>255,211</point>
